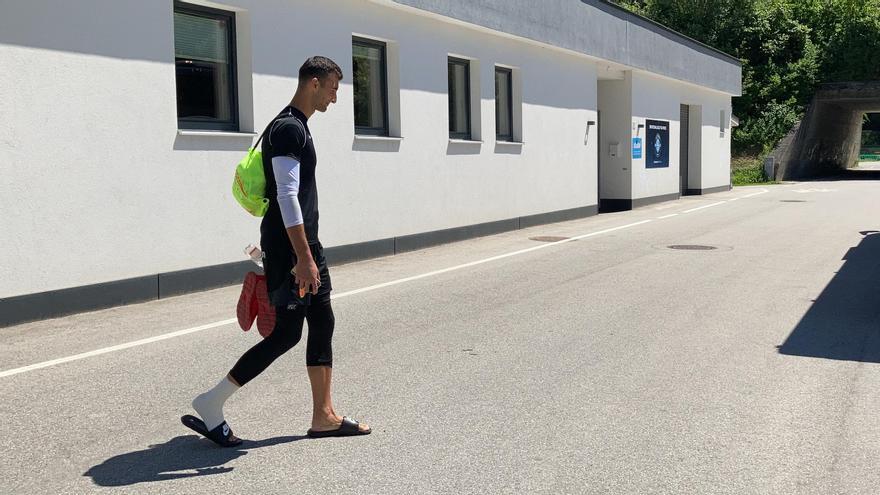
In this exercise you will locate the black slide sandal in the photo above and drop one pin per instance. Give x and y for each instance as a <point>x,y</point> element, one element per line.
<point>221,435</point>
<point>348,428</point>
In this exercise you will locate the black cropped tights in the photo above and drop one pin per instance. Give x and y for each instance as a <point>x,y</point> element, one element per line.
<point>286,334</point>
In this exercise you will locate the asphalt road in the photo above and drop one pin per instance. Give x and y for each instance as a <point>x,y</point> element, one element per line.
<point>606,364</point>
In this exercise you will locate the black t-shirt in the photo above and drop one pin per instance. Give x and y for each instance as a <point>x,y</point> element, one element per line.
<point>288,135</point>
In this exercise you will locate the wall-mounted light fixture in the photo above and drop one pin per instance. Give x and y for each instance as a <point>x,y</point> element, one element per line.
<point>590,123</point>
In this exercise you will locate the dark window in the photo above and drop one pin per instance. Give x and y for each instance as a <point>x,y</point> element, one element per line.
<point>370,88</point>
<point>503,104</point>
<point>204,53</point>
<point>459,99</point>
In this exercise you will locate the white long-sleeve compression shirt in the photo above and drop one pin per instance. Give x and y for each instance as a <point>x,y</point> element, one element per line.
<point>286,171</point>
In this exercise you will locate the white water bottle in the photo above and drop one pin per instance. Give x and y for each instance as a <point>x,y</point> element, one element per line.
<point>255,254</point>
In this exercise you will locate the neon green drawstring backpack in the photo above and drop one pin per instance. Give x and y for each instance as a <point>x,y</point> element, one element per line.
<point>249,183</point>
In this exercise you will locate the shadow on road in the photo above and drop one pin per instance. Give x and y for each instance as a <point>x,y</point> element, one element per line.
<point>851,174</point>
<point>164,461</point>
<point>844,322</point>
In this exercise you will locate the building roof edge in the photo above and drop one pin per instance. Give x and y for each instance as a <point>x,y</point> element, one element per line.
<point>627,14</point>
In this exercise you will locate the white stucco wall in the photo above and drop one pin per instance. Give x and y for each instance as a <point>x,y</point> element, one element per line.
<point>627,103</point>
<point>93,189</point>
<point>655,99</point>
<point>98,185</point>
<point>431,184</point>
<point>658,98</point>
<point>715,153</point>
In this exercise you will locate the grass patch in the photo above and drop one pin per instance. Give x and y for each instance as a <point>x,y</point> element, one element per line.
<point>749,175</point>
<point>748,170</point>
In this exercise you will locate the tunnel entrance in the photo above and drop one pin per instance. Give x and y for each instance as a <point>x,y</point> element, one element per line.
<point>828,140</point>
<point>870,148</point>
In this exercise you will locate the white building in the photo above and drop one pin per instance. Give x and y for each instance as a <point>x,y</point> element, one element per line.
<point>113,192</point>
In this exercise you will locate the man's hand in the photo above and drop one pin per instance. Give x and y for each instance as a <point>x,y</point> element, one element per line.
<point>306,275</point>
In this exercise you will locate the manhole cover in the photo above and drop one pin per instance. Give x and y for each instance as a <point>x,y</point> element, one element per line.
<point>692,247</point>
<point>548,238</point>
<point>792,201</point>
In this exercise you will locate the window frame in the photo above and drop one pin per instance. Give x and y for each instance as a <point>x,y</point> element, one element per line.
<point>509,75</point>
<point>383,51</point>
<point>234,123</point>
<point>456,61</point>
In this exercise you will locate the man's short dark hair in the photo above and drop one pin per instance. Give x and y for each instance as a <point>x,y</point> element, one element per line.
<point>319,67</point>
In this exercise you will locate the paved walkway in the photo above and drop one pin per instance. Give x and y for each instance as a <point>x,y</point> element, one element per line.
<point>606,364</point>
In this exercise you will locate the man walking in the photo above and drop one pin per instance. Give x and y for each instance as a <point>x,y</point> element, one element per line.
<point>297,278</point>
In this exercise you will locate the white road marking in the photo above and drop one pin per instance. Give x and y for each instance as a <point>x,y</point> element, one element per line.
<point>762,191</point>
<point>114,348</point>
<point>667,216</point>
<point>704,206</point>
<point>813,190</point>
<point>178,333</point>
<point>665,207</point>
<point>487,260</point>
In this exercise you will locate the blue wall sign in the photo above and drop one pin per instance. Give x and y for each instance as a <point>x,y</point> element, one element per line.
<point>657,143</point>
<point>637,148</point>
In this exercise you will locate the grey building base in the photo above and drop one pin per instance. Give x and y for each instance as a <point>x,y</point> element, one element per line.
<point>711,190</point>
<point>613,205</point>
<point>52,304</point>
<point>56,303</point>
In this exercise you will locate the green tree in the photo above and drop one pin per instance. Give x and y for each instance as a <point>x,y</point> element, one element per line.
<point>787,48</point>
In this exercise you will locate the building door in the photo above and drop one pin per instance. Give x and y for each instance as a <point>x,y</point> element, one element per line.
<point>683,150</point>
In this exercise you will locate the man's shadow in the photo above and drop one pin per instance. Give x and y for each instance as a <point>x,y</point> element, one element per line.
<point>164,461</point>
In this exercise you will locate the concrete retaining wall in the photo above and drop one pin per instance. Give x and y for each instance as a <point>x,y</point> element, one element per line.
<point>827,138</point>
